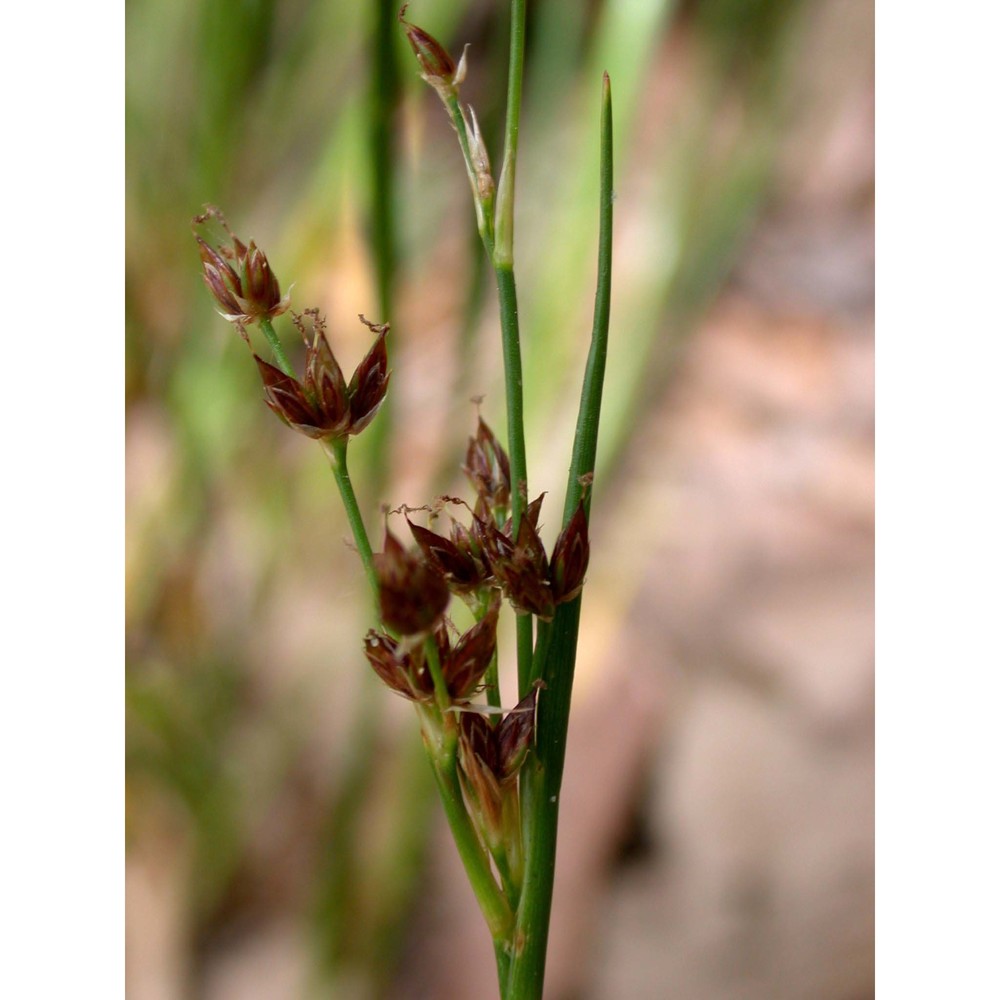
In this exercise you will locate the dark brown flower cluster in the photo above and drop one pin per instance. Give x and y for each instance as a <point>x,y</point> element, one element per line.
<point>472,561</point>
<point>239,277</point>
<point>487,554</point>
<point>403,667</point>
<point>478,562</point>
<point>323,404</point>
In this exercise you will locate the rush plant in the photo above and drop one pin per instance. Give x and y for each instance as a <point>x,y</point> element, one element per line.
<point>498,770</point>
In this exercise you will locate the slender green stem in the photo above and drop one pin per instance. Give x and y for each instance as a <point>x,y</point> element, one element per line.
<point>541,780</point>
<point>514,388</point>
<point>541,653</point>
<point>279,352</point>
<point>338,462</point>
<point>503,262</point>
<point>441,739</point>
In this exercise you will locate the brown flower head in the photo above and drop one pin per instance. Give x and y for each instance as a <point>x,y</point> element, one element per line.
<point>239,276</point>
<point>413,595</point>
<point>436,66</point>
<point>520,566</point>
<point>502,748</point>
<point>488,469</point>
<point>400,665</point>
<point>323,405</point>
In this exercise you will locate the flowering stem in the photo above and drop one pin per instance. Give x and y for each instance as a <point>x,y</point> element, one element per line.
<point>279,352</point>
<point>337,451</point>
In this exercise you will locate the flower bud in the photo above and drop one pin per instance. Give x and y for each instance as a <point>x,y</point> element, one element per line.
<point>412,594</point>
<point>261,286</point>
<point>436,65</point>
<point>370,380</point>
<point>516,734</point>
<point>245,290</point>
<point>222,281</point>
<point>324,383</point>
<point>488,468</point>
<point>402,672</point>
<point>464,666</point>
<point>285,398</point>
<point>478,767</point>
<point>522,569</point>
<point>570,557</point>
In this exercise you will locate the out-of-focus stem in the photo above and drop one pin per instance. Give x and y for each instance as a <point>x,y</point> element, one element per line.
<point>382,101</point>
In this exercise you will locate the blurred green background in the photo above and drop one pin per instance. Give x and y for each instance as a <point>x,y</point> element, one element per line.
<point>279,812</point>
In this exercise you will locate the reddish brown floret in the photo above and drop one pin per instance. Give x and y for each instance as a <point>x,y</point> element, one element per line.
<point>413,595</point>
<point>570,557</point>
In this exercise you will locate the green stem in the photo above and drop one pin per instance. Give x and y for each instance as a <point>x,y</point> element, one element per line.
<point>514,390</point>
<point>279,352</point>
<point>503,965</point>
<point>503,263</point>
<point>338,462</point>
<point>441,739</point>
<point>541,782</point>
<point>556,652</point>
<point>541,653</point>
